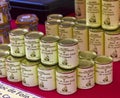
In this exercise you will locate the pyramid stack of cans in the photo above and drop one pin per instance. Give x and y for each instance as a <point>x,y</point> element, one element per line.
<point>52,63</point>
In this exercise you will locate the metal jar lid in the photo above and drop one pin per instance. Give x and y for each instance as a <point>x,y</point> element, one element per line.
<point>84,63</point>
<point>87,55</point>
<point>103,60</point>
<point>69,19</point>
<point>65,24</point>
<point>54,16</point>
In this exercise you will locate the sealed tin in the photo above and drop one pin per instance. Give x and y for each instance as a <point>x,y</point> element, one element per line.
<point>80,32</point>
<point>90,55</point>
<point>17,42</point>
<point>112,44</point>
<point>80,9</point>
<point>5,48</point>
<point>85,74</point>
<point>69,19</point>
<point>93,13</point>
<point>13,69</point>
<point>49,50</point>
<point>68,53</point>
<point>66,29</point>
<point>103,70</point>
<point>46,77</point>
<point>29,73</point>
<point>110,14</point>
<point>32,45</point>
<point>52,27</point>
<point>96,40</point>
<point>66,81</point>
<point>54,17</point>
<point>3,72</point>
<point>27,21</point>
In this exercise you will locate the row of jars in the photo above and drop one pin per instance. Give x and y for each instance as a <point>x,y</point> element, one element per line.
<point>102,13</point>
<point>91,69</point>
<point>99,40</point>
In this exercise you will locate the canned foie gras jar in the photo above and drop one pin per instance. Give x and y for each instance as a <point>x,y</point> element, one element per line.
<point>17,45</point>
<point>3,72</point>
<point>103,70</point>
<point>29,73</point>
<point>68,57</point>
<point>96,40</point>
<point>66,29</point>
<point>69,19</point>
<point>110,14</point>
<point>66,81</point>
<point>80,32</point>
<point>5,48</point>
<point>90,55</point>
<point>54,17</point>
<point>85,74</point>
<point>93,13</point>
<point>112,44</point>
<point>46,77</point>
<point>32,45</point>
<point>13,69</point>
<point>52,27</point>
<point>27,21</point>
<point>49,50</point>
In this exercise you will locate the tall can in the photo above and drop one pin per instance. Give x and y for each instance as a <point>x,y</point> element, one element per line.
<point>46,77</point>
<point>32,45</point>
<point>80,32</point>
<point>66,81</point>
<point>103,70</point>
<point>13,69</point>
<point>110,14</point>
<point>80,9</point>
<point>3,72</point>
<point>49,50</point>
<point>96,40</point>
<point>17,45</point>
<point>29,73</point>
<point>112,44</point>
<point>93,13</point>
<point>52,27</point>
<point>68,57</point>
<point>66,29</point>
<point>85,74</point>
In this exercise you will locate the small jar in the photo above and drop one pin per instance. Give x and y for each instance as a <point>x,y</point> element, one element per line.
<point>27,21</point>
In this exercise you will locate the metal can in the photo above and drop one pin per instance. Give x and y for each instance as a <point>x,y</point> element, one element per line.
<point>54,17</point>
<point>89,55</point>
<point>52,27</point>
<point>103,70</point>
<point>29,73</point>
<point>80,32</point>
<point>93,13</point>
<point>96,40</point>
<point>69,19</point>
<point>3,72</point>
<point>17,42</point>
<point>32,45</point>
<point>46,77</point>
<point>13,68</point>
<point>5,48</point>
<point>49,50</point>
<point>68,57</point>
<point>112,44</point>
<point>66,81</point>
<point>66,29</point>
<point>110,14</point>
<point>80,9</point>
<point>85,74</point>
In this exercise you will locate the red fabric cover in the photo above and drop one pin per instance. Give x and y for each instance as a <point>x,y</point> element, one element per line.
<point>98,91</point>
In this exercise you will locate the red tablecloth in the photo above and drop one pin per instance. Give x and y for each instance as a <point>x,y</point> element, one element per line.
<point>107,91</point>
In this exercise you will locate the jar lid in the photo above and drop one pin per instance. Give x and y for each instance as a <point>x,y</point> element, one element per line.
<point>27,19</point>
